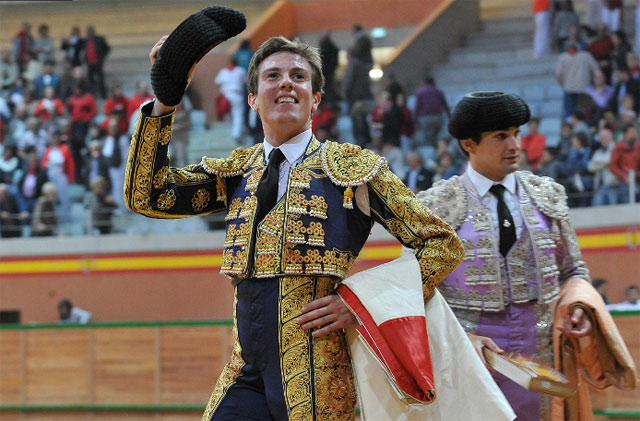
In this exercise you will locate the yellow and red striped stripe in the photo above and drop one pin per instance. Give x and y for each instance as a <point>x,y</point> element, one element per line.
<point>621,239</point>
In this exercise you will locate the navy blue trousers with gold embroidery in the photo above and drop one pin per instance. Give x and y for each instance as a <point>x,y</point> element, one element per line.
<point>257,393</point>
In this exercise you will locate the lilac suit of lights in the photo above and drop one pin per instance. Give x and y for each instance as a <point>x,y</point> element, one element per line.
<point>508,298</point>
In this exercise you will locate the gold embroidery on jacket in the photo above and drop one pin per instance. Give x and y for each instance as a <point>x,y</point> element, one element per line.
<point>200,200</point>
<point>331,379</point>
<point>166,200</point>
<point>160,178</point>
<point>417,227</point>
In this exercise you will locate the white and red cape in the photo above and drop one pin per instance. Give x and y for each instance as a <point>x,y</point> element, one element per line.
<point>413,361</point>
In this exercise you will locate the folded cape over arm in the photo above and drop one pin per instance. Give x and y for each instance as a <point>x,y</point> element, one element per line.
<point>404,351</point>
<point>600,359</point>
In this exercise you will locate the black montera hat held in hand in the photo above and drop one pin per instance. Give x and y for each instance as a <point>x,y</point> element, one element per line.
<point>487,111</point>
<point>191,40</point>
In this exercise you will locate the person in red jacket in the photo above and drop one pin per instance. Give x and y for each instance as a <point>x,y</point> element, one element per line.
<point>601,48</point>
<point>533,143</point>
<point>49,106</point>
<point>82,107</point>
<point>115,107</point>
<point>142,94</point>
<point>624,158</point>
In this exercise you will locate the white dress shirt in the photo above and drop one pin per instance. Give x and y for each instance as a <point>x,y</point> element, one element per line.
<point>293,151</point>
<point>482,185</point>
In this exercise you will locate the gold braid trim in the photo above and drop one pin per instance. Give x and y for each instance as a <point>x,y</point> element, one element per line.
<point>348,166</point>
<point>436,245</point>
<point>234,165</point>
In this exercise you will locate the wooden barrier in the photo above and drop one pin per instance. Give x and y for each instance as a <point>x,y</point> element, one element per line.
<point>111,370</point>
<point>614,403</point>
<point>158,370</point>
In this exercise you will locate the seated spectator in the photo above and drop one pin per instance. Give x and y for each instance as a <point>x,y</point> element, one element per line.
<point>600,285</point>
<point>627,117</point>
<point>9,164</point>
<point>35,137</point>
<point>633,65</point>
<point>18,124</point>
<point>580,180</point>
<point>609,121</point>
<point>10,215</point>
<point>418,177</point>
<point>115,107</point>
<point>551,166</point>
<point>601,95</point>
<point>9,73</point>
<point>29,186</point>
<point>44,221</point>
<point>33,70</point>
<point>621,48</point>
<point>71,314</point>
<point>17,94</point>
<point>579,124</point>
<point>47,78</point>
<point>49,107</point>
<point>605,184</point>
<point>624,158</point>
<point>631,302</point>
<point>445,169</point>
<point>100,205</point>
<point>624,86</point>
<point>533,143</point>
<point>95,164</point>
<point>564,145</point>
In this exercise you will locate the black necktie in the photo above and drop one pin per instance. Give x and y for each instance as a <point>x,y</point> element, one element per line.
<point>505,220</point>
<point>267,191</point>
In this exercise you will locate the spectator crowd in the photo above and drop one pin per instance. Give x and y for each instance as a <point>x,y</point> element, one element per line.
<point>63,132</point>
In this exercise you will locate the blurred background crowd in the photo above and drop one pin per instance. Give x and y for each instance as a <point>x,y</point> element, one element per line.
<point>65,128</point>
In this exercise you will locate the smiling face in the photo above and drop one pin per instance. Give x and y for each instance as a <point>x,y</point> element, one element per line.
<point>285,97</point>
<point>497,154</point>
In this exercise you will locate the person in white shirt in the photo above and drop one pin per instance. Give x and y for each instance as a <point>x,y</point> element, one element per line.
<point>71,314</point>
<point>232,80</point>
<point>632,303</point>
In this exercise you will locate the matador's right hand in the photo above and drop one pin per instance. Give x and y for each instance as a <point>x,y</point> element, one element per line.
<point>174,57</point>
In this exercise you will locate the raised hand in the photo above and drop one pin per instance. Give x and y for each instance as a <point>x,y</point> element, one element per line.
<point>174,57</point>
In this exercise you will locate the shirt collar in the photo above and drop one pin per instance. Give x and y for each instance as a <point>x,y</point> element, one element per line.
<point>483,184</point>
<point>292,149</point>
